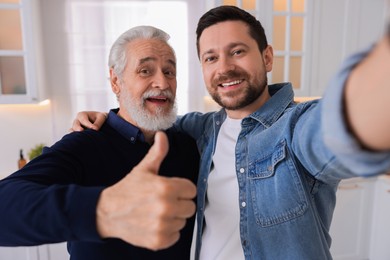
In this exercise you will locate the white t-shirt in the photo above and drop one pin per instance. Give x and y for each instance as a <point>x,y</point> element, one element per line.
<point>221,236</point>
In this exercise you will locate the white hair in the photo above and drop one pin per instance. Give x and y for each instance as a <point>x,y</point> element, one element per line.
<point>117,59</point>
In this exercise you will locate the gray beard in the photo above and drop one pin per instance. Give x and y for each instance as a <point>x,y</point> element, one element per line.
<point>161,120</point>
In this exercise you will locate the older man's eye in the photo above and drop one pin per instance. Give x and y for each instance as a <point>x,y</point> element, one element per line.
<point>144,71</point>
<point>170,73</point>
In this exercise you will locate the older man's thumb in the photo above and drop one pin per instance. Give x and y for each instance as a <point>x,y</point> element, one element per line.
<point>156,154</point>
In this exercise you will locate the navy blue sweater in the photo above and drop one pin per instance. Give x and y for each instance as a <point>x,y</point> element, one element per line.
<point>54,197</point>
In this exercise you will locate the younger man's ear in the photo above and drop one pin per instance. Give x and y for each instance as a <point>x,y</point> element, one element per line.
<point>268,58</point>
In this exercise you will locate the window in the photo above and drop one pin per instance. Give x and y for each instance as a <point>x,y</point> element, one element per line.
<point>12,54</point>
<point>288,41</point>
<point>284,23</point>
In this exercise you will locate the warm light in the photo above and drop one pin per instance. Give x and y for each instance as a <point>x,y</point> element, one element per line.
<point>44,102</point>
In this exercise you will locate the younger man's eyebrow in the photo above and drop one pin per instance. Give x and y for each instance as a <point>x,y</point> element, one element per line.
<point>207,52</point>
<point>228,47</point>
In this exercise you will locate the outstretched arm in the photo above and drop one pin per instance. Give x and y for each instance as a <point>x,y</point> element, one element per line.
<point>367,97</point>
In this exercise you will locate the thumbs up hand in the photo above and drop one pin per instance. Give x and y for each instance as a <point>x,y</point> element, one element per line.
<point>153,159</point>
<point>145,209</point>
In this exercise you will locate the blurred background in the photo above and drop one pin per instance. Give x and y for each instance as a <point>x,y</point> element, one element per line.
<point>53,64</point>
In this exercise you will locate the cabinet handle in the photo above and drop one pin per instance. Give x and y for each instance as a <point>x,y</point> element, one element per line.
<point>350,187</point>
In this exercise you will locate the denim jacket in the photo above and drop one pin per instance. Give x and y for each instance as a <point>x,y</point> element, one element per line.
<point>289,160</point>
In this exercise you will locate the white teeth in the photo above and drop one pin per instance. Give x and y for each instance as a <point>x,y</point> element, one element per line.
<point>231,83</point>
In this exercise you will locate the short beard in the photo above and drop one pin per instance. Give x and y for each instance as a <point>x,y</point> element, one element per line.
<point>160,120</point>
<point>251,93</point>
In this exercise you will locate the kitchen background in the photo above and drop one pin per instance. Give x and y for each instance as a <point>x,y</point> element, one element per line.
<point>53,56</point>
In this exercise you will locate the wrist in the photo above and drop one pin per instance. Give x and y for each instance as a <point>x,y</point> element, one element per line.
<point>101,217</point>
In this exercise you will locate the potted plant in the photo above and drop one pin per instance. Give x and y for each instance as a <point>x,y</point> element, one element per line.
<point>35,151</point>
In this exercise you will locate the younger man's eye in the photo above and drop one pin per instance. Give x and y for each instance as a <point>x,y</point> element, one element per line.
<point>237,52</point>
<point>209,59</point>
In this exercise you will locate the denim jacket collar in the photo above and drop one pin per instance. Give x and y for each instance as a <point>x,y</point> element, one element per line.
<point>281,97</point>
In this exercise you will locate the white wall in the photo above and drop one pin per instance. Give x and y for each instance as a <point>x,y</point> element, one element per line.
<point>22,127</point>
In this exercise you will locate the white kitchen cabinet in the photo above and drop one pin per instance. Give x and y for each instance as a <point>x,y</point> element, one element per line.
<point>21,59</point>
<point>351,225</point>
<point>19,253</point>
<point>44,252</point>
<point>380,245</point>
<point>339,28</point>
<point>57,252</point>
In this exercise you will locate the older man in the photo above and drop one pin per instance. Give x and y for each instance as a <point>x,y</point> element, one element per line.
<point>80,189</point>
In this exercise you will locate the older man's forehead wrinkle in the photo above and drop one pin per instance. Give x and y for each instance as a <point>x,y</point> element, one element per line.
<point>146,59</point>
<point>150,58</point>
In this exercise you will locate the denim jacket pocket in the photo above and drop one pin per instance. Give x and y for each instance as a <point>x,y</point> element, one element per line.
<point>275,187</point>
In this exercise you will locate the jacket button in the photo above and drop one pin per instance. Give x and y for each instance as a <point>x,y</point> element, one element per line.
<point>243,204</point>
<point>242,170</point>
